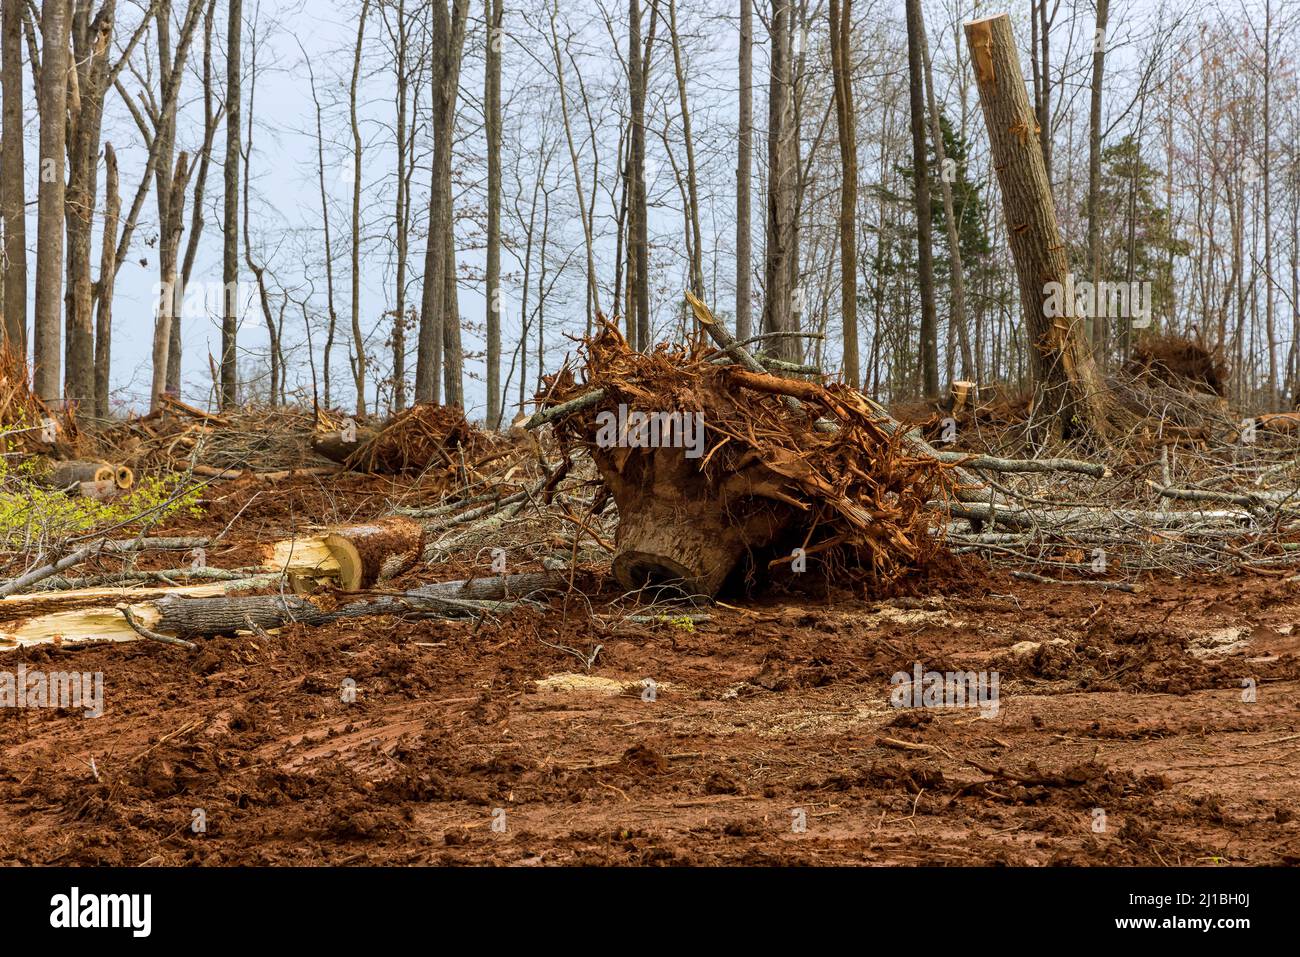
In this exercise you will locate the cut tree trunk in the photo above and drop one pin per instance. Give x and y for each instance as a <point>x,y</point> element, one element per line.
<point>70,473</point>
<point>336,447</point>
<point>1071,388</point>
<point>678,529</point>
<point>370,553</point>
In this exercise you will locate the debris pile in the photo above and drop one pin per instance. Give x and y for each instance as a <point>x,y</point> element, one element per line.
<point>1180,362</point>
<point>709,465</point>
<point>27,424</point>
<point>179,437</point>
<point>422,438</point>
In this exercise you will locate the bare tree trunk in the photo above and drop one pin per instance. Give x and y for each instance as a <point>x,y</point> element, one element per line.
<point>170,293</point>
<point>693,194</point>
<point>90,43</point>
<point>745,161</point>
<point>230,222</point>
<point>211,119</point>
<point>1096,325</point>
<point>957,319</point>
<point>107,267</point>
<point>1041,56</point>
<point>402,214</point>
<point>842,66</point>
<point>332,318</point>
<point>49,219</point>
<point>358,340</point>
<point>258,270</point>
<point>1270,326</point>
<point>921,195</point>
<point>1072,393</point>
<point>13,202</point>
<point>782,186</point>
<point>492,11</point>
<point>447,41</point>
<point>638,240</point>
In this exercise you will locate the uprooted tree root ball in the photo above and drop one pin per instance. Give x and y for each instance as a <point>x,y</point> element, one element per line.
<point>712,472</point>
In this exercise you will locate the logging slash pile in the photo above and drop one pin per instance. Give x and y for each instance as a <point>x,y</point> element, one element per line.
<point>713,473</point>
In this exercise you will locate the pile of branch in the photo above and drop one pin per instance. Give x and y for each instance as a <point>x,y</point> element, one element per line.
<point>423,438</point>
<point>179,437</point>
<point>760,478</point>
<point>1184,363</point>
<point>27,423</point>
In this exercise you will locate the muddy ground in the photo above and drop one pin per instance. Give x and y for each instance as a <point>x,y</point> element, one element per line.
<point>1125,731</point>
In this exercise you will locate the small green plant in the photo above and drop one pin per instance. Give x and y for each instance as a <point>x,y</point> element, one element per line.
<point>680,622</point>
<point>31,511</point>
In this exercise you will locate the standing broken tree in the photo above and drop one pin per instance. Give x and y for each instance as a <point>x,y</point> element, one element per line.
<point>1070,389</point>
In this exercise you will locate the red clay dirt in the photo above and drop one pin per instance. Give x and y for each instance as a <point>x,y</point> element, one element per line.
<point>1123,735</point>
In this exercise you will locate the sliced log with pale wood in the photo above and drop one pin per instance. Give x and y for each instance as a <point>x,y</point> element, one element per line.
<point>66,474</point>
<point>378,550</point>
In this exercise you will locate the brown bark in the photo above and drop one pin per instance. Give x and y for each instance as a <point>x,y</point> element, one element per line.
<point>745,163</point>
<point>439,314</point>
<point>170,293</point>
<point>782,186</point>
<point>957,319</point>
<point>1097,325</point>
<point>692,189</point>
<point>929,330</point>
<point>211,119</point>
<point>638,228</point>
<point>52,96</point>
<point>1063,366</point>
<point>402,213</point>
<point>492,11</point>
<point>841,23</point>
<point>230,212</point>
<point>13,202</point>
<point>331,311</point>
<point>104,298</point>
<point>89,71</point>
<point>358,339</point>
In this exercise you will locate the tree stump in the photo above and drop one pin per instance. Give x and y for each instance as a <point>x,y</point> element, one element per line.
<point>679,527</point>
<point>376,551</point>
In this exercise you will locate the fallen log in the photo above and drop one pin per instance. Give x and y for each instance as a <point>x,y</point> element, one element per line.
<point>222,475</point>
<point>192,612</point>
<point>102,547</point>
<point>66,474</point>
<point>370,553</point>
<point>16,607</point>
<point>341,445</point>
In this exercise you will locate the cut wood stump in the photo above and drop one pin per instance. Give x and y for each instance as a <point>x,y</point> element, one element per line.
<point>676,527</point>
<point>65,474</point>
<point>370,553</point>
